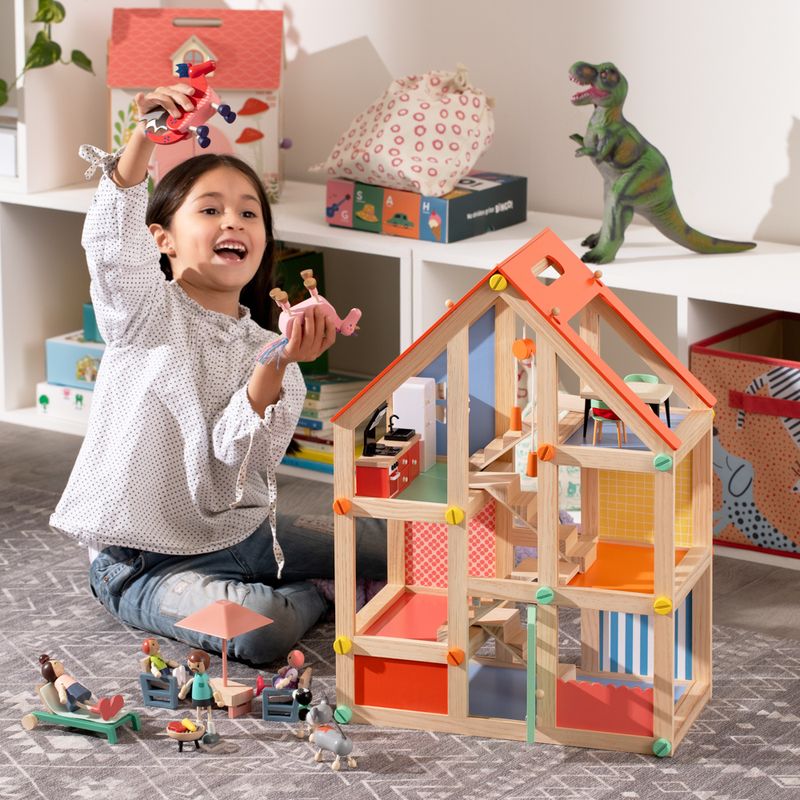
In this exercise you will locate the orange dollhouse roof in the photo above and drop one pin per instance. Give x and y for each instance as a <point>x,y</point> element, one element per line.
<point>248,46</point>
<point>574,289</point>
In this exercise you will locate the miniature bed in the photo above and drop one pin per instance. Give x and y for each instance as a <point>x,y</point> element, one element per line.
<point>57,714</point>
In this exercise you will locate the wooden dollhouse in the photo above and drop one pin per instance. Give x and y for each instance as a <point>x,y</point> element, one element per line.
<point>465,636</point>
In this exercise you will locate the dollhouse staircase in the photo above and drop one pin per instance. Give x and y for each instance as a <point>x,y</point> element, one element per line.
<point>577,554</point>
<point>481,459</point>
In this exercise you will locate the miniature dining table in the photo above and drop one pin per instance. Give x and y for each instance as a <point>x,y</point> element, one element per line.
<point>654,394</point>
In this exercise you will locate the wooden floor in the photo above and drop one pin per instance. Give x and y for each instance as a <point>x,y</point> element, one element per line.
<point>752,596</point>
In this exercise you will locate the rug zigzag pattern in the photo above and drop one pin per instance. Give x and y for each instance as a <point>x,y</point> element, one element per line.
<point>745,744</point>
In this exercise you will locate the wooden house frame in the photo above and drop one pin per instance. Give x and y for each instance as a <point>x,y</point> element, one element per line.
<point>429,678</point>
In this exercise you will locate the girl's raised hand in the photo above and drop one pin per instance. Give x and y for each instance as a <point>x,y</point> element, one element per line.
<point>173,99</point>
<point>312,334</point>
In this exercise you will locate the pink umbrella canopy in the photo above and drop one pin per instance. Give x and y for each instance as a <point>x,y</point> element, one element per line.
<point>225,620</point>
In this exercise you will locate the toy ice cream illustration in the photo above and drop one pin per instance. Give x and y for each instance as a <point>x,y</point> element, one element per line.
<point>435,224</point>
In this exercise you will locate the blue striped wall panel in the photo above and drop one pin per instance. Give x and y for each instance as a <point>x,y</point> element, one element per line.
<point>626,642</point>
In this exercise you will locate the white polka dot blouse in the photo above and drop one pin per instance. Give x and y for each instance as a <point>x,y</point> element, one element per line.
<point>175,460</point>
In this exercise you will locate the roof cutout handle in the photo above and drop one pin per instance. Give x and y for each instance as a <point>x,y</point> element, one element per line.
<point>540,266</point>
<point>197,22</point>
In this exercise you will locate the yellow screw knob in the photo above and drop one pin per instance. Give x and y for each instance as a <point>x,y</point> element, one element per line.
<point>497,282</point>
<point>662,605</point>
<point>454,515</point>
<point>342,645</point>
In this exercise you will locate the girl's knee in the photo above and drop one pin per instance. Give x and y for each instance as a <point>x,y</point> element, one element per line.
<point>292,609</point>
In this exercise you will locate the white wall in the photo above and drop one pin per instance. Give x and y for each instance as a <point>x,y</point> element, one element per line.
<point>713,84</point>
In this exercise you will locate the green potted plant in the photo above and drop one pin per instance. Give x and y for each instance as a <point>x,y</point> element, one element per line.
<point>44,51</point>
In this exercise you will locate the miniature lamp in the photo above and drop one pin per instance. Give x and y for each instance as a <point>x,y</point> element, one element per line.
<point>225,620</point>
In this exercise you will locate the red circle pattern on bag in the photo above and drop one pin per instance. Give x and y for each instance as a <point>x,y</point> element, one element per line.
<point>423,135</point>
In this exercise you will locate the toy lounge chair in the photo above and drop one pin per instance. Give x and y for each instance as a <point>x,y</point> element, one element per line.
<point>57,714</point>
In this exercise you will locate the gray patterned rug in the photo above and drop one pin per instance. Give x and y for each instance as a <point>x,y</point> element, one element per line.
<point>745,745</point>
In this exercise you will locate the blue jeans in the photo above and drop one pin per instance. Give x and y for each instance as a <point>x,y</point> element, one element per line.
<point>153,591</point>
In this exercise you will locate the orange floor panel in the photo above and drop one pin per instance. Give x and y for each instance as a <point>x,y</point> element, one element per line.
<point>412,616</point>
<point>624,567</point>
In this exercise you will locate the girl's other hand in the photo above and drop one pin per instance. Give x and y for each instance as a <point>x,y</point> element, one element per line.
<point>312,334</point>
<point>173,99</point>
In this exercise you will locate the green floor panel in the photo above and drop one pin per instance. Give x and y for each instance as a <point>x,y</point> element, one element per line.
<point>429,486</point>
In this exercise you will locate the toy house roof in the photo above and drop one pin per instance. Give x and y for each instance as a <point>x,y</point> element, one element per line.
<point>247,44</point>
<point>548,309</point>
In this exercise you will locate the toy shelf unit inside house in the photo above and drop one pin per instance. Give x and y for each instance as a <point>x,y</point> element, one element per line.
<point>479,202</point>
<point>233,59</point>
<point>465,636</point>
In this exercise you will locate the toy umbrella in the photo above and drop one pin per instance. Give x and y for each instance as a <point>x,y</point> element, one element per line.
<point>225,620</point>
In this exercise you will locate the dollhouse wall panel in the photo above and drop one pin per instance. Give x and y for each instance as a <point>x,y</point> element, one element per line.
<point>627,505</point>
<point>426,549</point>
<point>625,642</point>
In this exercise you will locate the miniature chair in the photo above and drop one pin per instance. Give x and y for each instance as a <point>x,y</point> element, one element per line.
<point>157,692</point>
<point>601,413</point>
<point>280,705</point>
<point>643,377</point>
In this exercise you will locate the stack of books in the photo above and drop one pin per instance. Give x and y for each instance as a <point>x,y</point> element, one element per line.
<point>325,395</point>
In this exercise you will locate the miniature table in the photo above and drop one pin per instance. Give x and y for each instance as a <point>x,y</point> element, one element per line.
<point>236,696</point>
<point>652,393</point>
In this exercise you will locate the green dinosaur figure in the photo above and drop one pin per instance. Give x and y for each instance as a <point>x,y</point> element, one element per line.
<point>635,174</point>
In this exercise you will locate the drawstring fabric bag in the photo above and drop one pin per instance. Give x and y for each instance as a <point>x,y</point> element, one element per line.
<point>423,135</point>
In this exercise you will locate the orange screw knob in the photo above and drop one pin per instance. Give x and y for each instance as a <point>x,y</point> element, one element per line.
<point>341,505</point>
<point>523,348</point>
<point>455,656</point>
<point>546,452</point>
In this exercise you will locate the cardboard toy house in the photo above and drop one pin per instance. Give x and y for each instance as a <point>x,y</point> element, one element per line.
<point>145,48</point>
<point>465,636</point>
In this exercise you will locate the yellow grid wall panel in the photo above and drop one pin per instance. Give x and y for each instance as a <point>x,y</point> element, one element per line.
<point>627,502</point>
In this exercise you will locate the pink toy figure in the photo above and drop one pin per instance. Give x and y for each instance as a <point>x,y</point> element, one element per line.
<point>73,694</point>
<point>165,129</point>
<point>346,327</point>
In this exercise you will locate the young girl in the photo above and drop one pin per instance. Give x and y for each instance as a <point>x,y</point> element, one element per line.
<point>176,477</point>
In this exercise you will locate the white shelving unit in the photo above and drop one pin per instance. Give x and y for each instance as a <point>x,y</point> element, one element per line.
<point>400,284</point>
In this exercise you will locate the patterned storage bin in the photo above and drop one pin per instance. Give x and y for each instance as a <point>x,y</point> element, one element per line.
<point>754,371</point>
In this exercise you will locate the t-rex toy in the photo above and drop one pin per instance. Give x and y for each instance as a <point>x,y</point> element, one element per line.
<point>636,175</point>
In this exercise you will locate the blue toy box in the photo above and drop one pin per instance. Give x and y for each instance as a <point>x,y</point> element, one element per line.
<point>72,361</point>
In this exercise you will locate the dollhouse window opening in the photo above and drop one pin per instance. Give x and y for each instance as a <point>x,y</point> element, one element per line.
<point>193,56</point>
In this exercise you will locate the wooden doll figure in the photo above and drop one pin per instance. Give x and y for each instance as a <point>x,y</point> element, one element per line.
<point>73,694</point>
<point>158,665</point>
<point>287,677</point>
<point>203,696</point>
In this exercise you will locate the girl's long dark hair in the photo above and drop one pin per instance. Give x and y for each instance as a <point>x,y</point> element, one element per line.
<point>172,190</point>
